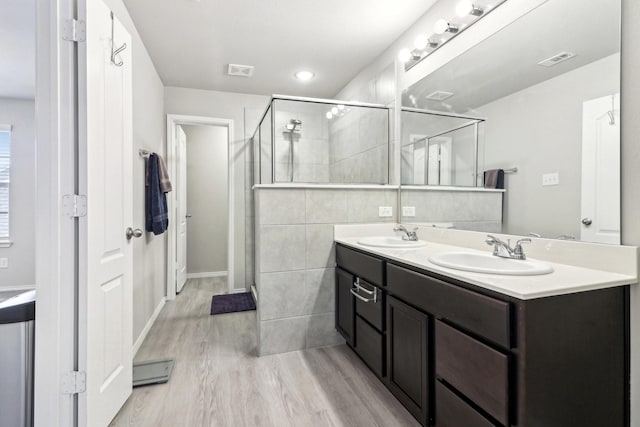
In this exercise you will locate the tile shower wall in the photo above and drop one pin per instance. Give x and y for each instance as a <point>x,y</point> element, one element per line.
<point>295,260</point>
<point>311,144</point>
<point>358,149</point>
<point>466,210</point>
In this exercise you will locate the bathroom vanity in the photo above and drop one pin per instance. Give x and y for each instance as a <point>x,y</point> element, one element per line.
<point>457,352</point>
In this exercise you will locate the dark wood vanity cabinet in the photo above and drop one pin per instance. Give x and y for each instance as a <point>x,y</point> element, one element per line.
<point>361,300</point>
<point>456,355</point>
<point>408,357</point>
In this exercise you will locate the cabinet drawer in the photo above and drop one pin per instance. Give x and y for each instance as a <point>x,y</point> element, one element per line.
<point>451,411</point>
<point>369,303</point>
<point>474,369</point>
<point>365,266</point>
<point>370,346</point>
<point>479,313</point>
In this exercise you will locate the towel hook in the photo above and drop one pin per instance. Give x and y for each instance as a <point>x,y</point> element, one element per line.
<point>114,51</point>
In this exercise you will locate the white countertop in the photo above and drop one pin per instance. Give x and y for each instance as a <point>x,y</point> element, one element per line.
<point>565,279</point>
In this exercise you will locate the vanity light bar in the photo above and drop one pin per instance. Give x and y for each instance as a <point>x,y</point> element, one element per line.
<point>467,13</point>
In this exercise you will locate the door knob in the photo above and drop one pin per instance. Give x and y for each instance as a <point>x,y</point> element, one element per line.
<point>188,216</point>
<point>133,233</point>
<point>587,221</point>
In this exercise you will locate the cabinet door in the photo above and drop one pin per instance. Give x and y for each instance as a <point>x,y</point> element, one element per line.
<point>408,358</point>
<point>345,306</point>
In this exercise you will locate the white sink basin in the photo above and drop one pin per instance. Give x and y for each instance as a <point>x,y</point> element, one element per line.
<point>390,242</point>
<point>490,264</point>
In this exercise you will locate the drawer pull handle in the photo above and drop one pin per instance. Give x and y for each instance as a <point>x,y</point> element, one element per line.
<point>355,291</point>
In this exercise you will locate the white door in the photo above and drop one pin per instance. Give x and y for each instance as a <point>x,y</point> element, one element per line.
<point>105,256</point>
<point>600,216</point>
<point>181,198</point>
<point>439,161</point>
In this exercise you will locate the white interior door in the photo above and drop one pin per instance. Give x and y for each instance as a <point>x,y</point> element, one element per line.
<point>439,161</point>
<point>106,263</point>
<point>600,221</point>
<point>181,196</point>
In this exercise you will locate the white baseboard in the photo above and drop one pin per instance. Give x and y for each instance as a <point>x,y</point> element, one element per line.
<point>206,274</point>
<point>148,326</point>
<point>254,293</point>
<point>237,291</point>
<point>17,288</point>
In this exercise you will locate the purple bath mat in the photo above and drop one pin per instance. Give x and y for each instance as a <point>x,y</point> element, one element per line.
<point>232,303</point>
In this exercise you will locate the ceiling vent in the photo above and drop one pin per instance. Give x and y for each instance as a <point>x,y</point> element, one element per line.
<point>439,95</point>
<point>556,59</point>
<point>240,70</point>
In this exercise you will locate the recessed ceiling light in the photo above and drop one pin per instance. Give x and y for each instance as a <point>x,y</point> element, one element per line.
<point>305,75</point>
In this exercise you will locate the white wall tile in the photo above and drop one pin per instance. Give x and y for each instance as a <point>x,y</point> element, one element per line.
<point>282,207</point>
<point>282,248</point>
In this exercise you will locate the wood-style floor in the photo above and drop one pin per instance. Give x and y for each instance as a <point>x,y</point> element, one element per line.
<point>218,380</point>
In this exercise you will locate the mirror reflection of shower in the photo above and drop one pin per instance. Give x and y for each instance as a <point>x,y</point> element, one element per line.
<point>293,128</point>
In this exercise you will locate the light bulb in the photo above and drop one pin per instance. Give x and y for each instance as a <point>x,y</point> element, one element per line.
<point>329,115</point>
<point>334,110</point>
<point>421,42</point>
<point>464,8</point>
<point>340,107</point>
<point>404,55</point>
<point>441,26</point>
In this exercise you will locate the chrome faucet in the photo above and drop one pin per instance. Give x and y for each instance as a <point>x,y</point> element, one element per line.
<point>408,235</point>
<point>504,250</point>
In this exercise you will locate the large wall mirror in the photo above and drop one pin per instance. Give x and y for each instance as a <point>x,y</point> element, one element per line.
<point>541,97</point>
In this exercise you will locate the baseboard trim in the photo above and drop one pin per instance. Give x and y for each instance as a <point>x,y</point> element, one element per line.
<point>254,293</point>
<point>206,274</point>
<point>148,326</point>
<point>237,291</point>
<point>17,288</point>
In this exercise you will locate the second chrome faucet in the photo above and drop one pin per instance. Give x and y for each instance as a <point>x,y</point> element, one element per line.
<point>503,249</point>
<point>407,235</point>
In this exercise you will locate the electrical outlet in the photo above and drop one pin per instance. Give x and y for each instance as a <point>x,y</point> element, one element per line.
<point>551,179</point>
<point>385,211</point>
<point>408,211</point>
<point>4,262</point>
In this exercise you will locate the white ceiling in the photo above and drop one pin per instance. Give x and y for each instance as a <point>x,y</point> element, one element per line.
<point>507,62</point>
<point>18,49</point>
<point>191,42</point>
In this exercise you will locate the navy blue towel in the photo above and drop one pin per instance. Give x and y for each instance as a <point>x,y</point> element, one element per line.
<point>157,217</point>
<point>494,178</point>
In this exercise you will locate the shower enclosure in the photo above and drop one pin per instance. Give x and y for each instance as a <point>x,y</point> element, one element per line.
<point>440,148</point>
<point>313,141</point>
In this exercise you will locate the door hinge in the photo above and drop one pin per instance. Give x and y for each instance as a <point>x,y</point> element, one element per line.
<point>74,382</point>
<point>74,30</point>
<point>75,205</point>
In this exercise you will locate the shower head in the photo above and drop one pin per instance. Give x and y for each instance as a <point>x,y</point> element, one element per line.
<point>294,125</point>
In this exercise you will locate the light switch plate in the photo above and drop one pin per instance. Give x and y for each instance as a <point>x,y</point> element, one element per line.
<point>551,179</point>
<point>385,211</point>
<point>4,262</point>
<point>409,211</point>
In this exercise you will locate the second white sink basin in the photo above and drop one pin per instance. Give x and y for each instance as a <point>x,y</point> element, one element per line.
<point>390,242</point>
<point>490,264</point>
